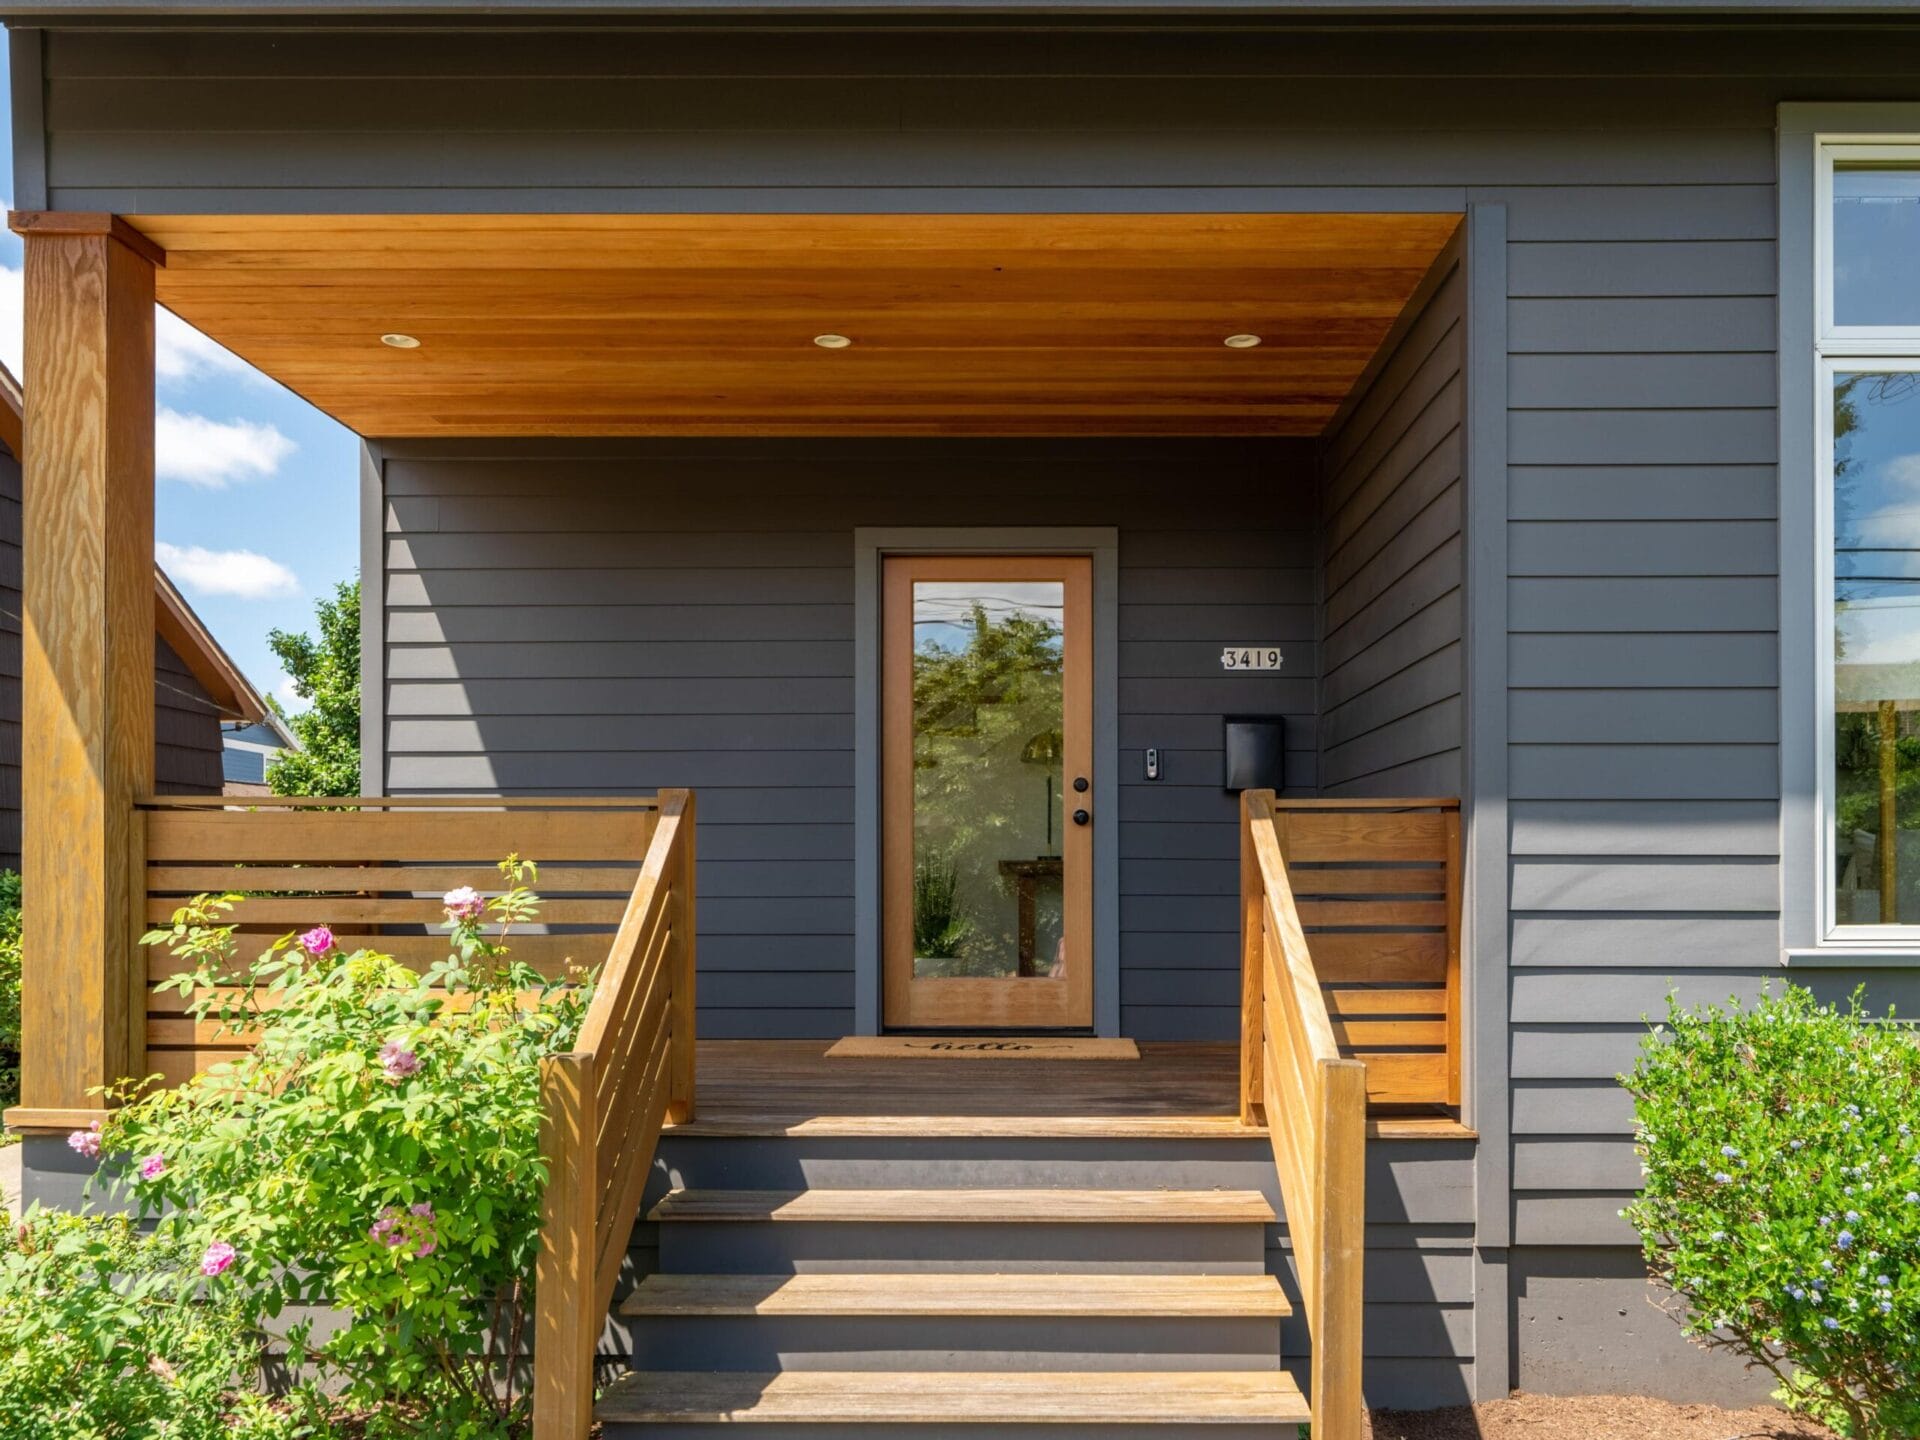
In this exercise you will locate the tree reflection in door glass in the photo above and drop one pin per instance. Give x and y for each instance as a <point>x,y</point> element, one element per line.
<point>987,770</point>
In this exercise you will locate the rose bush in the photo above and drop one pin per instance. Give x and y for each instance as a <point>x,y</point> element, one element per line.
<point>376,1152</point>
<point>1782,1198</point>
<point>105,1333</point>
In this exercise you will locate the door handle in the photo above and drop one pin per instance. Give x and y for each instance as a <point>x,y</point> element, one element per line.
<point>1081,817</point>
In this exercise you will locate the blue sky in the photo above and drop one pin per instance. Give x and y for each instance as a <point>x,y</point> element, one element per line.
<point>257,494</point>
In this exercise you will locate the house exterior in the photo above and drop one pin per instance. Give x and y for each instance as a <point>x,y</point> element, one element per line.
<point>1573,490</point>
<point>198,689</point>
<point>247,747</point>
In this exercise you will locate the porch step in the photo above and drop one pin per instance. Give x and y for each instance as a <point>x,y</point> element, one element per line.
<point>960,1294</point>
<point>958,1206</point>
<point>986,1403</point>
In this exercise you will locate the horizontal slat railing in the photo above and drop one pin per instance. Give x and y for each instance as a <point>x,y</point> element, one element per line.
<point>373,869</point>
<point>1377,889</point>
<point>604,1104</point>
<point>1313,1101</point>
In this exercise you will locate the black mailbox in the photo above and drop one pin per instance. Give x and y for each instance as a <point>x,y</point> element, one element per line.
<point>1256,752</point>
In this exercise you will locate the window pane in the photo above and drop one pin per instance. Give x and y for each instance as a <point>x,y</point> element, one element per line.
<point>1876,238</point>
<point>1876,648</point>
<point>988,756</point>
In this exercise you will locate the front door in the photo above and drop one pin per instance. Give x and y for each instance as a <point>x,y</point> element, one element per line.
<point>987,783</point>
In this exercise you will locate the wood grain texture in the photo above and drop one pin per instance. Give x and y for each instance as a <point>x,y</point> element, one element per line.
<point>702,325</point>
<point>1191,1296</point>
<point>566,1323</point>
<point>959,1205</point>
<point>87,709</point>
<point>1228,1397</point>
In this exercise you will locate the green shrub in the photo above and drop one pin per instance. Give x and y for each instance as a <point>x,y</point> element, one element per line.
<point>377,1151</point>
<point>9,988</point>
<point>1782,1199</point>
<point>103,1333</point>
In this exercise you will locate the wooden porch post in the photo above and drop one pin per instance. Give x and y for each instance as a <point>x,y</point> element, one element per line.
<point>87,652</point>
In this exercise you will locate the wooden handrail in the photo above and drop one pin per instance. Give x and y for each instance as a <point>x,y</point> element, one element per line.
<point>1313,1102</point>
<point>603,1105</point>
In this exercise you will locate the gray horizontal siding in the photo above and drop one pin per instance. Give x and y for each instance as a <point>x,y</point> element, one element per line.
<point>1391,560</point>
<point>549,627</point>
<point>1636,168</point>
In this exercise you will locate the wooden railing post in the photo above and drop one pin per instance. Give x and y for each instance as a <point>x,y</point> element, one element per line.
<point>567,1321</point>
<point>1340,1206</point>
<point>680,1098</point>
<point>1253,907</point>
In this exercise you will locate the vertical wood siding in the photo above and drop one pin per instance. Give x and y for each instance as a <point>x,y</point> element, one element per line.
<point>620,617</point>
<point>1391,563</point>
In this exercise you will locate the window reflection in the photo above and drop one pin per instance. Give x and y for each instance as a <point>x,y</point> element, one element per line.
<point>1876,236</point>
<point>1876,647</point>
<point>988,762</point>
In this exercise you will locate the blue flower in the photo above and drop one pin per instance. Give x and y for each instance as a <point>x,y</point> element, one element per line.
<point>1729,1152</point>
<point>1831,1323</point>
<point>1886,1307</point>
<point>1720,1177</point>
<point>1853,1214</point>
<point>1844,1240</point>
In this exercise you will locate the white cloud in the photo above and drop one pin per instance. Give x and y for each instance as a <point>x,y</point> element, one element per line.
<point>243,574</point>
<point>181,353</point>
<point>214,453</point>
<point>290,701</point>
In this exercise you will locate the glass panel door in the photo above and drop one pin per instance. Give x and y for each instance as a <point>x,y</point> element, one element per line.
<point>988,791</point>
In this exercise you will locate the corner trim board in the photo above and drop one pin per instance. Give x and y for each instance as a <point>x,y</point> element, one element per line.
<point>1486,922</point>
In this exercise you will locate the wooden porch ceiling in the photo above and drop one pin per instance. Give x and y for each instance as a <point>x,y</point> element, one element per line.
<point>704,325</point>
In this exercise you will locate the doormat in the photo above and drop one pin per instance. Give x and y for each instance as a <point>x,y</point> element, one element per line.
<point>981,1047</point>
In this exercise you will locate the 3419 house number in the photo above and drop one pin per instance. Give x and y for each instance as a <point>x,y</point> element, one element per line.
<point>1250,657</point>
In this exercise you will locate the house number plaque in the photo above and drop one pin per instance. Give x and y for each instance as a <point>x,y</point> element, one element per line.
<point>1250,657</point>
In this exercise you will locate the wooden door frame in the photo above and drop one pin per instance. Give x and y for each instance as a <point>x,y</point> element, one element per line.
<point>871,545</point>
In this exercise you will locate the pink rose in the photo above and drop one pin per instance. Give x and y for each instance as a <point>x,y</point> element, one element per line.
<point>153,1167</point>
<point>317,941</point>
<point>464,903</point>
<point>220,1255</point>
<point>398,1062</point>
<point>86,1142</point>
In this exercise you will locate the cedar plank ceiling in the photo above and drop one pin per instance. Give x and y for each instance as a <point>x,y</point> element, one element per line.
<point>704,325</point>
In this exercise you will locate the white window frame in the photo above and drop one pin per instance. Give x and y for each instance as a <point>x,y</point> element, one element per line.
<point>1843,349</point>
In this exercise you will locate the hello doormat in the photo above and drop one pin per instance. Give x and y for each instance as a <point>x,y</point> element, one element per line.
<point>981,1047</point>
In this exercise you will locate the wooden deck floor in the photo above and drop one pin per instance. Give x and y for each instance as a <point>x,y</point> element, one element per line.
<point>789,1087</point>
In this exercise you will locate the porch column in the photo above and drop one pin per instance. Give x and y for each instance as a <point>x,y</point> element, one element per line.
<point>87,651</point>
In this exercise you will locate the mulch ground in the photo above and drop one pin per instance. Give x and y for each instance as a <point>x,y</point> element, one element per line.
<point>1590,1417</point>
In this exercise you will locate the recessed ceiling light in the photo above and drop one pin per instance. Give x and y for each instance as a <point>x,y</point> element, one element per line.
<point>400,342</point>
<point>832,342</point>
<point>1241,342</point>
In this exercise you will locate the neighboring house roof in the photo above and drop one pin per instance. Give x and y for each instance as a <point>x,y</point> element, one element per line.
<point>173,618</point>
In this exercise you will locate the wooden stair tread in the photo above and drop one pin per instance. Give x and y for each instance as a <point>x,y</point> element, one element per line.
<point>900,1397</point>
<point>1033,1205</point>
<point>964,1294</point>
